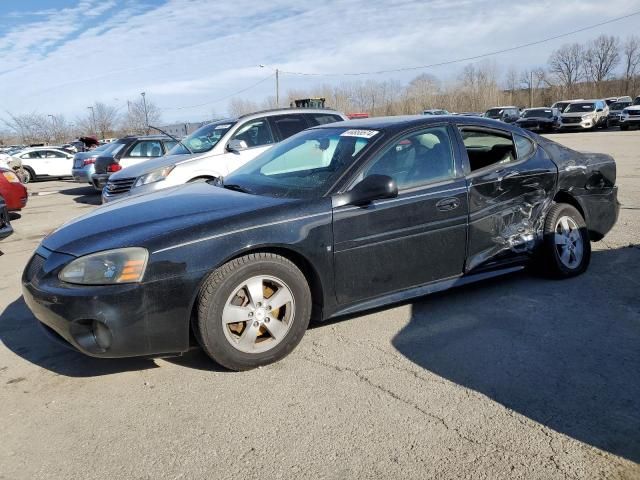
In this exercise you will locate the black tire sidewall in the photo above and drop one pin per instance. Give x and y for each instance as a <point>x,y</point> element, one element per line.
<point>554,265</point>
<point>211,331</point>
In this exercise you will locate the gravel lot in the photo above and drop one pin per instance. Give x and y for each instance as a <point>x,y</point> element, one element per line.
<point>519,377</point>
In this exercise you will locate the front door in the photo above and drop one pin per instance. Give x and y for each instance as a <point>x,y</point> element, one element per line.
<point>416,238</point>
<point>511,183</point>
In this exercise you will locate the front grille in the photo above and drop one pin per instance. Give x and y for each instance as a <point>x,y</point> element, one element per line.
<point>634,113</point>
<point>121,185</point>
<point>571,119</point>
<point>35,265</point>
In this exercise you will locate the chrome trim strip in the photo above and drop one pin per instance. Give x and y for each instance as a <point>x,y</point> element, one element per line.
<point>240,230</point>
<point>401,199</point>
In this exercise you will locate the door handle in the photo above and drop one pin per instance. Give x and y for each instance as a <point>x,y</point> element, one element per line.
<point>447,204</point>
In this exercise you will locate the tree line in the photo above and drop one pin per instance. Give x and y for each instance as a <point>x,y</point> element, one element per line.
<point>605,66</point>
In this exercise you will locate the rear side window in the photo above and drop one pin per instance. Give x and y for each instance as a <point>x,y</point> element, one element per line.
<point>146,149</point>
<point>287,125</point>
<point>524,147</point>
<point>53,154</point>
<point>485,148</point>
<point>322,118</point>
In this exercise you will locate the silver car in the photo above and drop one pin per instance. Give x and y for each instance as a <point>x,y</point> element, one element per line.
<point>215,150</point>
<point>84,164</point>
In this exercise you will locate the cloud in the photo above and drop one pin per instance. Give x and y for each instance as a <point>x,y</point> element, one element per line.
<point>187,52</point>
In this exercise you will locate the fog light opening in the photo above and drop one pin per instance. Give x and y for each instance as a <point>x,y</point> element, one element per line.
<point>101,334</point>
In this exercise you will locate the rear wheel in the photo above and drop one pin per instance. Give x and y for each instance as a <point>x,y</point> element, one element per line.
<point>28,175</point>
<point>253,311</point>
<point>567,248</point>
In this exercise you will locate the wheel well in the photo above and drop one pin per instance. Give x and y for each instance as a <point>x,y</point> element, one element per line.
<point>202,177</point>
<point>565,197</point>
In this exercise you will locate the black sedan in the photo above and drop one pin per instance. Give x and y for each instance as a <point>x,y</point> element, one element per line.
<point>540,119</point>
<point>335,220</point>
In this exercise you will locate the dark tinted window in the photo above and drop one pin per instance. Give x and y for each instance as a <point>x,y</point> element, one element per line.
<point>288,125</point>
<point>322,118</point>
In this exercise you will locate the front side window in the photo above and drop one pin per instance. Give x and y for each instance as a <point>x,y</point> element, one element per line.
<point>416,159</point>
<point>305,165</point>
<point>31,155</point>
<point>255,133</point>
<point>485,148</point>
<point>53,154</point>
<point>146,149</point>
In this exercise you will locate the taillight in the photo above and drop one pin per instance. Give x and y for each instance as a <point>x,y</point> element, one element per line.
<point>114,167</point>
<point>88,161</point>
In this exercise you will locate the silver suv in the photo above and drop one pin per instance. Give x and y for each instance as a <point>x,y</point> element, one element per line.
<point>585,115</point>
<point>215,150</point>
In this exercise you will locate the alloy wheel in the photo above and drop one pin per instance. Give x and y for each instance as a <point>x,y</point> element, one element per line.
<point>568,242</point>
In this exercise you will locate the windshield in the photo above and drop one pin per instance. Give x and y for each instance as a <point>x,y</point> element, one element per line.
<point>303,166</point>
<point>580,107</point>
<point>110,149</point>
<point>494,113</point>
<point>619,105</point>
<point>539,112</point>
<point>203,139</point>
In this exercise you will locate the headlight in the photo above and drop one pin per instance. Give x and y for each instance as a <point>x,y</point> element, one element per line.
<point>154,176</point>
<point>124,265</point>
<point>588,116</point>
<point>11,177</point>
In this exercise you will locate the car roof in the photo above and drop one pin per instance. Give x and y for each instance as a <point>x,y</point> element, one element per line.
<point>284,111</point>
<point>397,123</point>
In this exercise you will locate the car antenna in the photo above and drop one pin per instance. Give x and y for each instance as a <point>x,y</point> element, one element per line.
<point>169,135</point>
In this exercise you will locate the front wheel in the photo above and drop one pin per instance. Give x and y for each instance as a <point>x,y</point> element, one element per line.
<point>624,128</point>
<point>253,311</point>
<point>567,248</point>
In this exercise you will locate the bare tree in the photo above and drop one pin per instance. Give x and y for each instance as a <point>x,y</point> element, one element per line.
<point>106,117</point>
<point>566,64</point>
<point>631,63</point>
<point>135,120</point>
<point>601,58</point>
<point>239,106</point>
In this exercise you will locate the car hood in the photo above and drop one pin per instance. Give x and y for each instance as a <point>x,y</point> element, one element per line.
<point>134,171</point>
<point>535,119</point>
<point>634,108</point>
<point>153,220</point>
<point>576,114</point>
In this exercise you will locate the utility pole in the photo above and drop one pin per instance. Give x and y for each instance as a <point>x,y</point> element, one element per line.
<point>93,116</point>
<point>53,126</point>
<point>146,114</point>
<point>531,89</point>
<point>277,88</point>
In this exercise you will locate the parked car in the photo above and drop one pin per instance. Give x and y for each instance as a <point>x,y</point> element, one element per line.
<point>631,116</point>
<point>12,190</point>
<point>615,111</point>
<point>612,100</point>
<point>585,115</point>
<point>126,152</point>
<point>5,224</point>
<point>84,163</point>
<point>435,111</point>
<point>41,162</point>
<point>215,150</point>
<point>563,104</point>
<point>335,220</point>
<point>504,114</point>
<point>540,119</point>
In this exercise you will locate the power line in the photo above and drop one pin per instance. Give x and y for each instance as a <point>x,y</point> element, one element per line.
<point>466,59</point>
<point>223,98</point>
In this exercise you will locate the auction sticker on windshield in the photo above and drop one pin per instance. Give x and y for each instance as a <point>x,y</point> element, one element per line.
<point>359,133</point>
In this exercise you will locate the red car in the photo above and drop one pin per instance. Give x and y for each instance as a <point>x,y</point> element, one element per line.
<point>14,193</point>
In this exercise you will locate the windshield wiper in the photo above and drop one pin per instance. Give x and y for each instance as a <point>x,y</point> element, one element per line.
<point>174,138</point>
<point>237,188</point>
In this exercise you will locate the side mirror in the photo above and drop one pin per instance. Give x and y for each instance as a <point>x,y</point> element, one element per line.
<point>373,187</point>
<point>236,145</point>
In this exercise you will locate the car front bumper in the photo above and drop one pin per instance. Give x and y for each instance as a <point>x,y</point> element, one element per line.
<point>583,125</point>
<point>630,120</point>
<point>145,319</point>
<point>99,180</point>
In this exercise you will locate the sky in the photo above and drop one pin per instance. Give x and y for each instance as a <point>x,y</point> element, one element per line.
<point>190,56</point>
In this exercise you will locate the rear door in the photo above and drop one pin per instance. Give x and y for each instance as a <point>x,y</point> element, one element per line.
<point>413,239</point>
<point>58,164</point>
<point>511,183</point>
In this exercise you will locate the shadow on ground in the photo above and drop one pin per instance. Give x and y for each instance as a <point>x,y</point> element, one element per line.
<point>563,353</point>
<point>87,195</point>
<point>20,333</point>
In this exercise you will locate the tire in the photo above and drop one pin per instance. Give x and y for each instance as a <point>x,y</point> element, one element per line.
<point>624,128</point>
<point>29,175</point>
<point>566,246</point>
<point>263,334</point>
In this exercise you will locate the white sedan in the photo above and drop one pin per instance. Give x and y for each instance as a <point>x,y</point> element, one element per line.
<point>49,162</point>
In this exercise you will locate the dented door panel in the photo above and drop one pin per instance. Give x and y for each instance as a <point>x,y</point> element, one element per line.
<point>507,207</point>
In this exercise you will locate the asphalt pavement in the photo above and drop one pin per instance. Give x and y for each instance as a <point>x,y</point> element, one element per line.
<point>515,378</point>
